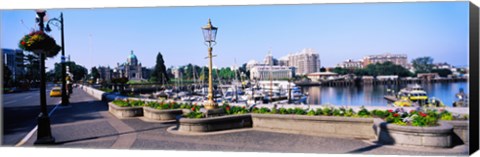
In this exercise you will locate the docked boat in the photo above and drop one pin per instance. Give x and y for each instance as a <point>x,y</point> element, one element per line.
<point>413,93</point>
<point>461,99</point>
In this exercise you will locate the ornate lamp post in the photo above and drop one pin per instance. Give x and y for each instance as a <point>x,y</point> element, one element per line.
<point>44,133</point>
<point>65,100</point>
<point>209,34</point>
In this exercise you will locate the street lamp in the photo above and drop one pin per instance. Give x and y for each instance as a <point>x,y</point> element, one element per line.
<point>44,133</point>
<point>65,100</point>
<point>209,34</point>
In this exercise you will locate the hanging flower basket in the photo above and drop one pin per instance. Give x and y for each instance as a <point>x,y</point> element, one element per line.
<point>39,42</point>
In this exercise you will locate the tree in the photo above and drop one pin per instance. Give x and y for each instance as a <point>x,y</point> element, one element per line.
<point>94,73</point>
<point>32,73</point>
<point>7,76</point>
<point>423,64</point>
<point>159,73</point>
<point>340,71</point>
<point>323,69</point>
<point>77,71</point>
<point>442,72</point>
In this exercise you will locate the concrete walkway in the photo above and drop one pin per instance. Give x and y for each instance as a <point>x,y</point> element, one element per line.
<point>86,123</point>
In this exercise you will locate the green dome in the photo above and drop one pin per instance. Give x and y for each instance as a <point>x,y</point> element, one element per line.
<point>132,56</point>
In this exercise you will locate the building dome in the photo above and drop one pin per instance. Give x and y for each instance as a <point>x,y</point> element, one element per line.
<point>132,59</point>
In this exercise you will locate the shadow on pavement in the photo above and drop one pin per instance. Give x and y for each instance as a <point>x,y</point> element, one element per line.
<point>78,111</point>
<point>364,149</point>
<point>110,135</point>
<point>19,119</point>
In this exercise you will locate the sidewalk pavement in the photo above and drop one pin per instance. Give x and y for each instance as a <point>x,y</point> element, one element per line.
<point>86,123</point>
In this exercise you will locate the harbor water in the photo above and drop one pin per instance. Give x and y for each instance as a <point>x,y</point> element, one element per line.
<point>373,95</point>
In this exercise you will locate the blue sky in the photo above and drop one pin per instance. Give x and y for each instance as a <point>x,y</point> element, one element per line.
<point>336,31</point>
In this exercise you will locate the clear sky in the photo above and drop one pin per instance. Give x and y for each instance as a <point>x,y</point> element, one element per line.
<point>336,31</point>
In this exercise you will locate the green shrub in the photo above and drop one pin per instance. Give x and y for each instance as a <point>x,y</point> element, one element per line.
<point>195,114</point>
<point>363,112</point>
<point>136,103</point>
<point>283,111</point>
<point>120,103</point>
<point>311,113</point>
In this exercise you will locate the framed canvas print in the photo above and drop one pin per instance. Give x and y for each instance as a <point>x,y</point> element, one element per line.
<point>377,78</point>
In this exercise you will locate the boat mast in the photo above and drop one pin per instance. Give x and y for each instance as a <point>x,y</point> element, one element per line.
<point>271,81</point>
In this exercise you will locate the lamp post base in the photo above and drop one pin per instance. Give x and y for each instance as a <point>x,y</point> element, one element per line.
<point>44,134</point>
<point>210,104</point>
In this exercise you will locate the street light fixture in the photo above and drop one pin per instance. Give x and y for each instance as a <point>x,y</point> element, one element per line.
<point>65,97</point>
<point>44,133</point>
<point>209,35</point>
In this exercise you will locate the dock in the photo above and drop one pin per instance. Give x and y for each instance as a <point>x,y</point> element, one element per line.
<point>390,98</point>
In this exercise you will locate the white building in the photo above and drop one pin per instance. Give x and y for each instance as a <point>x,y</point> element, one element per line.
<point>351,64</point>
<point>398,59</point>
<point>270,72</point>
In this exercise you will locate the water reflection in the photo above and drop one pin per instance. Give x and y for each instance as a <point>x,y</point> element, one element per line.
<point>373,95</point>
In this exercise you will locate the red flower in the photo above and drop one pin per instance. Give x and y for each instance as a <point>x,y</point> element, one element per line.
<point>193,109</point>
<point>422,114</point>
<point>390,111</point>
<point>227,108</point>
<point>395,115</point>
<point>243,106</point>
<point>411,111</point>
<point>23,43</point>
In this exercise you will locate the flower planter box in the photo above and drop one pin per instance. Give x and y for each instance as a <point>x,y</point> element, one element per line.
<point>125,112</point>
<point>316,125</point>
<point>163,115</point>
<point>436,136</point>
<point>460,130</point>
<point>215,123</point>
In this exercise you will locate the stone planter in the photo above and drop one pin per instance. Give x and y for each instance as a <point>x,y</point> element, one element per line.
<point>125,112</point>
<point>215,123</point>
<point>436,136</point>
<point>460,130</point>
<point>316,125</point>
<point>162,115</point>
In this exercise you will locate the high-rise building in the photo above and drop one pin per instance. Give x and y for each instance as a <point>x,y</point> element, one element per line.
<point>398,59</point>
<point>305,61</point>
<point>14,59</point>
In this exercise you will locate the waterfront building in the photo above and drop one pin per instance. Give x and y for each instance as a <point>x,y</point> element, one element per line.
<point>442,66</point>
<point>131,69</point>
<point>283,61</point>
<point>273,72</point>
<point>177,73</point>
<point>398,59</point>
<point>14,59</point>
<point>317,76</point>
<point>387,77</point>
<point>305,62</point>
<point>252,63</point>
<point>105,73</point>
<point>427,76</point>
<point>351,64</point>
<point>269,60</point>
